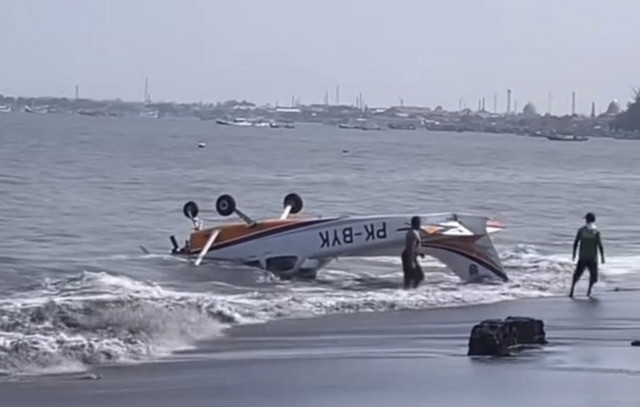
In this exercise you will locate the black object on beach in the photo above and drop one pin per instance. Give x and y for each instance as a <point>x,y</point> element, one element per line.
<point>495,337</point>
<point>528,331</point>
<point>635,343</point>
<point>490,337</point>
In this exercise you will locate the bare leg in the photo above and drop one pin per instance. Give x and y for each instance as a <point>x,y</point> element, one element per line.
<point>418,275</point>
<point>576,276</point>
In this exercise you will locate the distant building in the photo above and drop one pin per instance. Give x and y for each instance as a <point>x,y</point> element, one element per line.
<point>529,110</point>
<point>408,111</point>
<point>613,108</point>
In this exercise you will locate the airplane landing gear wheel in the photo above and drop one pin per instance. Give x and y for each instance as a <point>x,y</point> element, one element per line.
<point>294,201</point>
<point>225,205</point>
<point>190,210</point>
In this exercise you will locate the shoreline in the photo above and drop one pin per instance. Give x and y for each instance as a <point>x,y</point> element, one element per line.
<point>445,329</point>
<point>451,122</point>
<point>337,321</point>
<point>406,347</point>
<point>240,330</point>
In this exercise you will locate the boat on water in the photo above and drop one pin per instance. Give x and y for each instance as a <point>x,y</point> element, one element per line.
<point>150,114</point>
<point>567,137</point>
<point>369,126</point>
<point>5,109</point>
<point>37,110</point>
<point>402,126</point>
<point>275,125</point>
<point>235,122</point>
<point>359,124</point>
<point>91,112</point>
<point>241,122</point>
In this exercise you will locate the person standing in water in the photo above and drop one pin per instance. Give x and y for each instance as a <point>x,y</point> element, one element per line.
<point>413,274</point>
<point>590,242</point>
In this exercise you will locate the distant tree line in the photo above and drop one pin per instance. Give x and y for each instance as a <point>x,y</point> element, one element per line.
<point>629,119</point>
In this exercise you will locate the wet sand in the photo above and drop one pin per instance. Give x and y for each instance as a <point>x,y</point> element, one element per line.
<point>415,358</point>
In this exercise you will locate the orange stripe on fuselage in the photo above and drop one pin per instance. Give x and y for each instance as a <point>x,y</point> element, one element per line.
<point>236,231</point>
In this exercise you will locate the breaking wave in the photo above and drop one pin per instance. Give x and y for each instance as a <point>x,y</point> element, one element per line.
<point>94,318</point>
<point>100,318</point>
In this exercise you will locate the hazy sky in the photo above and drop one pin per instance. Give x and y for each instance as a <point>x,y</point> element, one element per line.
<point>427,52</point>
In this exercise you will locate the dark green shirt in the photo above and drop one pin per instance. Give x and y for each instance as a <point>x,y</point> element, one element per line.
<point>590,241</point>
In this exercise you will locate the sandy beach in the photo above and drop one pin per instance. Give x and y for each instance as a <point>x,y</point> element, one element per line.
<point>378,359</point>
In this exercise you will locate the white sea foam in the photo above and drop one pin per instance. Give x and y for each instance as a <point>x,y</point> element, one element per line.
<point>95,318</point>
<point>98,318</point>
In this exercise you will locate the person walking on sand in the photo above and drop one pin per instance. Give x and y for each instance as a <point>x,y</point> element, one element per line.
<point>590,242</point>
<point>411,269</point>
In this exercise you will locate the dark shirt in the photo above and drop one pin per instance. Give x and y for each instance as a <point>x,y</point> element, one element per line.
<point>590,242</point>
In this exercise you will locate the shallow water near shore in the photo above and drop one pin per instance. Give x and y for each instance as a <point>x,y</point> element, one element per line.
<point>81,194</point>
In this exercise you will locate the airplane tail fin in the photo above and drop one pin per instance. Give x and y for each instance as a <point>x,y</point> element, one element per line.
<point>468,250</point>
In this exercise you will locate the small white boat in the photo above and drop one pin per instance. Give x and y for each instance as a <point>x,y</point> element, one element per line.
<point>235,122</point>
<point>151,114</point>
<point>567,137</point>
<point>38,110</point>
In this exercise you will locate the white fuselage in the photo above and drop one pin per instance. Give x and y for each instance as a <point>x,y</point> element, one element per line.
<point>461,242</point>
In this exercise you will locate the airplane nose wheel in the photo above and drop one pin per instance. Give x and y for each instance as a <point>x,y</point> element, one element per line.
<point>190,210</point>
<point>225,205</point>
